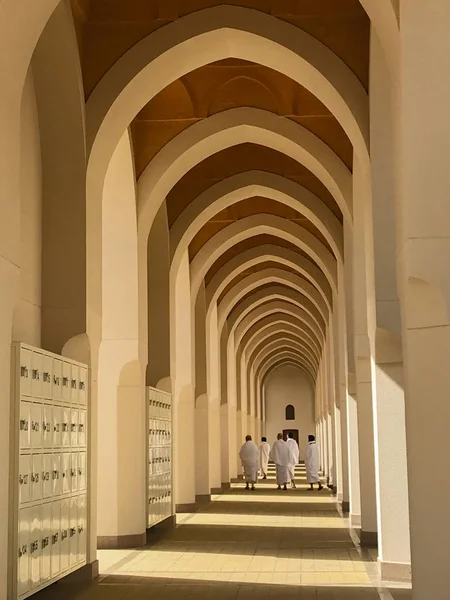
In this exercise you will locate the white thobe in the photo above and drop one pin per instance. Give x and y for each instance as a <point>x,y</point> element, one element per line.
<point>264,451</point>
<point>294,455</point>
<point>280,456</point>
<point>312,463</point>
<point>249,455</point>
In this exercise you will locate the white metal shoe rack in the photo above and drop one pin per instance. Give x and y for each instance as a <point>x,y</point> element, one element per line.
<point>49,491</point>
<point>159,496</point>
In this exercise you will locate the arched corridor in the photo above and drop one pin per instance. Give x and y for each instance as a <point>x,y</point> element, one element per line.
<point>222,220</point>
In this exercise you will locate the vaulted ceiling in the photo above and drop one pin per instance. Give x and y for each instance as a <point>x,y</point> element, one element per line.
<point>106,29</point>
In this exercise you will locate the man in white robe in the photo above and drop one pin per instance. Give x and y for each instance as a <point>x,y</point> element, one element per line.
<point>249,455</point>
<point>294,455</point>
<point>280,456</point>
<point>312,463</point>
<point>264,451</point>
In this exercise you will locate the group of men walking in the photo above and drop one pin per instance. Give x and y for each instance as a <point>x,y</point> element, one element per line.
<point>285,454</point>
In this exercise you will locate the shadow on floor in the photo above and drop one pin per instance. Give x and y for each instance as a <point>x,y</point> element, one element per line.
<point>263,536</point>
<point>118,587</point>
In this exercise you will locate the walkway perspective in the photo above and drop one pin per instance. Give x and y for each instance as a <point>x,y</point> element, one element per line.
<point>244,544</point>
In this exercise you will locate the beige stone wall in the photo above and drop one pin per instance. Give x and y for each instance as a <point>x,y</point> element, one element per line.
<point>289,385</point>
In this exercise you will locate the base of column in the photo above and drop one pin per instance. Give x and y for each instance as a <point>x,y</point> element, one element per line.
<point>120,542</point>
<point>203,498</point>
<point>226,487</point>
<point>84,574</point>
<point>186,508</point>
<point>355,521</point>
<point>368,539</point>
<point>340,497</point>
<point>390,571</point>
<point>155,533</point>
<point>216,490</point>
<point>345,507</point>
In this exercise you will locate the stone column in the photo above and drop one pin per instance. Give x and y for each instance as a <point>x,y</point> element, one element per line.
<point>228,385</point>
<point>350,385</point>
<point>121,498</point>
<point>202,404</point>
<point>334,451</point>
<point>183,389</point>
<point>388,400</point>
<point>232,424</point>
<point>340,345</point>
<point>353,454</point>
<point>424,276</point>
<point>213,390</point>
<point>363,326</point>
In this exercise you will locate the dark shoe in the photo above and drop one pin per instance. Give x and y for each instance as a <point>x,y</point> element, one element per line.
<point>285,488</point>
<point>320,488</point>
<point>253,488</point>
<point>247,487</point>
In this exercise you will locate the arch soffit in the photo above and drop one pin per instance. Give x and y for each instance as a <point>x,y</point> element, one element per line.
<point>267,338</point>
<point>284,356</point>
<point>247,185</point>
<point>384,20</point>
<point>276,364</point>
<point>230,128</point>
<point>13,27</point>
<point>256,387</point>
<point>267,253</point>
<point>257,225</point>
<point>284,297</point>
<point>269,331</point>
<point>317,310</point>
<point>272,347</point>
<point>275,341</point>
<point>284,352</point>
<point>211,35</point>
<point>285,314</point>
<point>284,317</point>
<point>275,319</point>
<point>19,36</point>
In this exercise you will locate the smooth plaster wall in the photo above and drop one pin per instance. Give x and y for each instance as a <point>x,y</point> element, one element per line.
<point>27,316</point>
<point>288,385</point>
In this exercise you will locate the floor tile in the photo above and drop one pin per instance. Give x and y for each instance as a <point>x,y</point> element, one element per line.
<point>261,545</point>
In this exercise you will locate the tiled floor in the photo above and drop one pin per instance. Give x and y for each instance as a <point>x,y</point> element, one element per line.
<point>262,544</point>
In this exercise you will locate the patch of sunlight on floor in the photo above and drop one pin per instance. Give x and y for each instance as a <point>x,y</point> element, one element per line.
<point>360,580</point>
<point>295,521</point>
<point>281,499</point>
<point>110,558</point>
<point>283,567</point>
